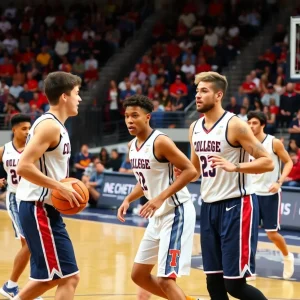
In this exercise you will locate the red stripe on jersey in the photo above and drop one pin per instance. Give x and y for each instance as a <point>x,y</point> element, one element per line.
<point>47,238</point>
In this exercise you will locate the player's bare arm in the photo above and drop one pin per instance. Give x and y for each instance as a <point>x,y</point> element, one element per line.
<point>135,194</point>
<point>240,135</point>
<point>194,157</point>
<point>165,149</point>
<point>46,135</point>
<point>283,155</point>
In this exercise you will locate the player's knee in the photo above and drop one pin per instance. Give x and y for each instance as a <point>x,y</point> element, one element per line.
<point>234,286</point>
<point>165,283</point>
<point>136,276</point>
<point>74,280</point>
<point>143,294</point>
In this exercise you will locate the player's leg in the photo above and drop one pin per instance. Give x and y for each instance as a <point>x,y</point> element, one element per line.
<point>145,260</point>
<point>270,205</point>
<point>52,254</point>
<point>143,294</point>
<point>211,251</point>
<point>141,275</point>
<point>23,255</point>
<point>239,243</point>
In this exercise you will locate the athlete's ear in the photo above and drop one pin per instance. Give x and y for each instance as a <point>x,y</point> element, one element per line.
<point>220,95</point>
<point>148,117</point>
<point>64,97</point>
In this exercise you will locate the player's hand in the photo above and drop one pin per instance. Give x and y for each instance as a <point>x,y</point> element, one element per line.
<point>220,162</point>
<point>274,187</point>
<point>122,210</point>
<point>148,209</point>
<point>177,172</point>
<point>67,191</point>
<point>2,182</point>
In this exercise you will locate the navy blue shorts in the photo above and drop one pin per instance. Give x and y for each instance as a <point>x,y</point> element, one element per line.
<point>269,211</point>
<point>229,234</point>
<point>52,253</point>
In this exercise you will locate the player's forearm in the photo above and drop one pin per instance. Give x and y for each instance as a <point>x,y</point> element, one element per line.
<point>181,181</point>
<point>285,171</point>
<point>257,166</point>
<point>31,173</point>
<point>135,194</point>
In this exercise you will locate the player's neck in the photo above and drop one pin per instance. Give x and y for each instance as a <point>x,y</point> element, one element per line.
<point>142,137</point>
<point>19,145</point>
<point>261,136</point>
<point>213,115</point>
<point>60,115</point>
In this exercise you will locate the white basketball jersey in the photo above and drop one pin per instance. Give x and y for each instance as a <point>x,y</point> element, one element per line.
<point>262,182</point>
<point>10,159</point>
<point>54,163</point>
<point>217,184</point>
<point>153,175</point>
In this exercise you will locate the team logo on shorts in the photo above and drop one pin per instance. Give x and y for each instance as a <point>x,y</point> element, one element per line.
<point>175,253</point>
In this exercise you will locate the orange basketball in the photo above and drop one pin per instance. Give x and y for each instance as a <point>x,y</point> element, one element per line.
<point>63,205</point>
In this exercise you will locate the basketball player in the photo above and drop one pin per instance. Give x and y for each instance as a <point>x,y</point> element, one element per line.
<point>43,163</point>
<point>168,238</point>
<point>220,147</point>
<point>9,155</point>
<point>268,187</point>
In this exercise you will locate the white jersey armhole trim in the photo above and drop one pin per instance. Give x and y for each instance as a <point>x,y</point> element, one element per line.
<point>226,133</point>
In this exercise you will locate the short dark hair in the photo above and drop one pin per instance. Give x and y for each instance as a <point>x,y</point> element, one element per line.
<point>19,118</point>
<point>257,115</point>
<point>139,100</point>
<point>58,83</point>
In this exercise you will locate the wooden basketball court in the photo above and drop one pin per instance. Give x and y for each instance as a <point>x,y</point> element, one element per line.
<point>105,253</point>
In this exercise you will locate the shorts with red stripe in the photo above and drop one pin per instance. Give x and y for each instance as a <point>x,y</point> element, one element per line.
<point>229,234</point>
<point>269,211</point>
<point>52,253</point>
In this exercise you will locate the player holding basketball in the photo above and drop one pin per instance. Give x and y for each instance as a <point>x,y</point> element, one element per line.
<point>43,163</point>
<point>9,155</point>
<point>168,238</point>
<point>220,148</point>
<point>268,187</point>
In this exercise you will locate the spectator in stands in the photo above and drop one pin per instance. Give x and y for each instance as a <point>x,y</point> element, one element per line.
<point>10,43</point>
<point>115,161</point>
<point>82,160</point>
<point>294,129</point>
<point>188,69</point>
<point>61,47</point>
<point>91,61</point>
<point>104,157</point>
<point>289,103</point>
<point>95,183</point>
<point>270,127</point>
<point>78,67</point>
<point>7,70</point>
<point>43,57</point>
<point>19,76</point>
<point>90,169</point>
<point>271,94</point>
<point>233,106</point>
<point>3,86</point>
<point>203,66</point>
<point>23,106</point>
<point>249,88</point>
<point>138,73</point>
<point>293,146</point>
<point>258,106</point>
<point>15,89</point>
<point>211,38</point>
<point>178,89</point>
<point>293,179</point>
<point>91,75</point>
<point>126,166</point>
<point>243,113</point>
<point>31,82</point>
<point>5,25</point>
<point>197,32</point>
<point>188,18</point>
<point>26,94</point>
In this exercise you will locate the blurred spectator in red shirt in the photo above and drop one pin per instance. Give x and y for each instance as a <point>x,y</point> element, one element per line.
<point>293,179</point>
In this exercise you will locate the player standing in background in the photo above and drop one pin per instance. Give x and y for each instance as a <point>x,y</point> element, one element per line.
<point>220,143</point>
<point>168,238</point>
<point>268,187</point>
<point>9,155</point>
<point>43,163</point>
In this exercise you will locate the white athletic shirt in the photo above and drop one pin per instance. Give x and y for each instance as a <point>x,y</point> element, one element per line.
<point>217,184</point>
<point>54,163</point>
<point>155,176</point>
<point>262,182</point>
<point>10,159</point>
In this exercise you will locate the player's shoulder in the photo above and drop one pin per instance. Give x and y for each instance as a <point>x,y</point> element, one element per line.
<point>236,123</point>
